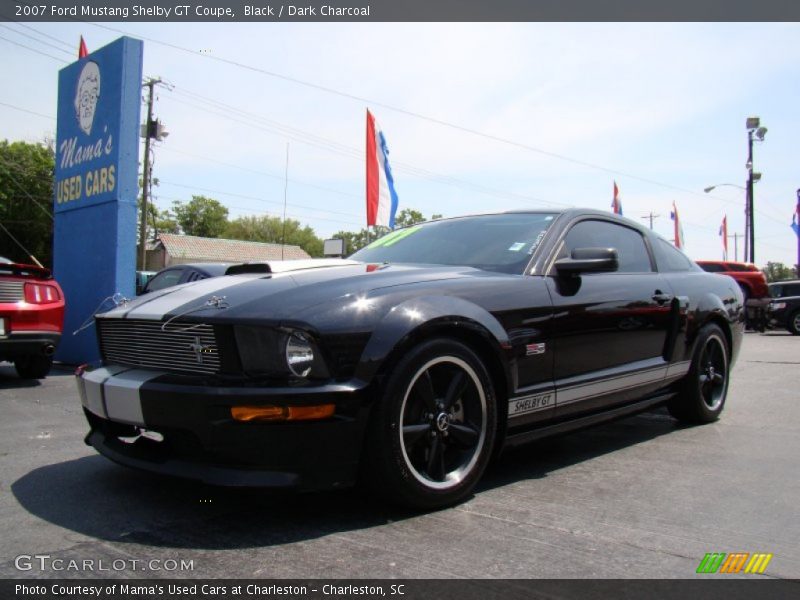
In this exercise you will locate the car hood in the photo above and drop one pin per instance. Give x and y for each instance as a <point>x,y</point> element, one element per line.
<point>280,295</point>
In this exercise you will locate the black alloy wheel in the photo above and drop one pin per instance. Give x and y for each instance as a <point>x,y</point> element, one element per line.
<point>432,434</point>
<point>443,422</point>
<point>712,378</point>
<point>702,393</point>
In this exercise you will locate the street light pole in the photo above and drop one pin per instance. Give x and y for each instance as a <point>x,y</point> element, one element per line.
<point>750,216</point>
<point>753,125</point>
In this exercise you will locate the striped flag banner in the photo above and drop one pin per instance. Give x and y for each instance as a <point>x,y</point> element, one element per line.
<point>679,241</point>
<point>381,195</point>
<point>723,233</point>
<point>616,203</point>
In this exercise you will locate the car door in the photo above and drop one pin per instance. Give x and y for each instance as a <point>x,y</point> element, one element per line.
<point>610,328</point>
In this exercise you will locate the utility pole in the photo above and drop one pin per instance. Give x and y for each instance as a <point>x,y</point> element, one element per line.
<point>651,216</point>
<point>148,133</point>
<point>735,237</point>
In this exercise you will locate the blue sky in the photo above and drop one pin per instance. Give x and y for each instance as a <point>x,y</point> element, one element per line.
<point>658,107</point>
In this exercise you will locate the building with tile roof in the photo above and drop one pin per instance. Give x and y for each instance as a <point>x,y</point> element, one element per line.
<point>171,249</point>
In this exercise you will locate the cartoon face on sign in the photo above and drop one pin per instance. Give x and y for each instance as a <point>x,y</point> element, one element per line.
<point>86,96</point>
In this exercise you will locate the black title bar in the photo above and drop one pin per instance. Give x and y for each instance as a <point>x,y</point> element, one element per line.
<point>400,10</point>
<point>397,589</point>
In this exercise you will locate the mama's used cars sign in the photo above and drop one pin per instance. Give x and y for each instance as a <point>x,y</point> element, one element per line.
<point>96,185</point>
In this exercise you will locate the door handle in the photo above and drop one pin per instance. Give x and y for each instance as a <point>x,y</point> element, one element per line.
<point>661,298</point>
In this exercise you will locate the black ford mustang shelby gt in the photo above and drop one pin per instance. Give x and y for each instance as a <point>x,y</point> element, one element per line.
<point>416,360</point>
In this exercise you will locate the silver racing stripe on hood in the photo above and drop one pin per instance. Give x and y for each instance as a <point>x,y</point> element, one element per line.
<point>157,308</point>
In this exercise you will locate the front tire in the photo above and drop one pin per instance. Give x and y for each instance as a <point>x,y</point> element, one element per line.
<point>703,391</point>
<point>433,429</point>
<point>33,367</point>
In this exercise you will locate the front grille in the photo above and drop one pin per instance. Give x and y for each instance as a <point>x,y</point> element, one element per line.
<point>11,291</point>
<point>183,347</point>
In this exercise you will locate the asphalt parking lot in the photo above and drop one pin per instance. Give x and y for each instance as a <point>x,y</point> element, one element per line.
<point>641,497</point>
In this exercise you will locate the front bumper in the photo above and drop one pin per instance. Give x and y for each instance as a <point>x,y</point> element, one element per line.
<point>201,441</point>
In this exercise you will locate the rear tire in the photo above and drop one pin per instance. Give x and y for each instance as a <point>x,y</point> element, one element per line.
<point>33,367</point>
<point>703,391</point>
<point>432,430</point>
<point>793,323</point>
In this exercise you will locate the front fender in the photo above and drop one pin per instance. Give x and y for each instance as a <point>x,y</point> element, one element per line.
<point>417,314</point>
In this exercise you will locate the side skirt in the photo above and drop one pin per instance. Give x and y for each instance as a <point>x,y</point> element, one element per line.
<point>524,437</point>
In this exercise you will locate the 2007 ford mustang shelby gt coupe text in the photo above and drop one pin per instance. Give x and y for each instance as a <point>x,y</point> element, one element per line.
<point>415,361</point>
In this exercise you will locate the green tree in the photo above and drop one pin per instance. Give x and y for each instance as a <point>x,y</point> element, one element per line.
<point>356,240</point>
<point>407,217</point>
<point>777,271</point>
<point>201,216</point>
<point>26,200</point>
<point>272,230</point>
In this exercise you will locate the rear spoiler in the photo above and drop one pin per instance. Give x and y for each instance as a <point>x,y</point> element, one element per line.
<point>282,266</point>
<point>22,270</point>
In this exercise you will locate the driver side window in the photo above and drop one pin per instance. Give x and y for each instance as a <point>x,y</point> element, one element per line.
<point>629,243</point>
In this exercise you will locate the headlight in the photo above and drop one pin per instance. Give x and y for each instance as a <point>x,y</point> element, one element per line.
<point>777,305</point>
<point>299,354</point>
<point>281,353</point>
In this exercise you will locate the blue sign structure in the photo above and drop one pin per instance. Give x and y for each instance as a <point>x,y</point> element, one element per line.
<point>96,187</point>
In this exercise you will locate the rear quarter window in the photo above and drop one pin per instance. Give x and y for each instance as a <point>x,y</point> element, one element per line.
<point>670,259</point>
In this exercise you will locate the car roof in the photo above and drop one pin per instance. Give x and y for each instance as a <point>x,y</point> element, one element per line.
<point>210,268</point>
<point>567,212</point>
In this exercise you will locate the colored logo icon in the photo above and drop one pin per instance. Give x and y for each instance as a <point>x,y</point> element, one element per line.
<point>735,562</point>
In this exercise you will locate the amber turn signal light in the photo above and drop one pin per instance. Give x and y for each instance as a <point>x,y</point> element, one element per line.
<point>282,413</point>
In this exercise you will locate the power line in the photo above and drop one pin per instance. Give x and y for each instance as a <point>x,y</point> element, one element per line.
<point>256,211</point>
<point>67,45</point>
<point>400,110</point>
<point>246,197</point>
<point>24,249</point>
<point>349,152</point>
<point>335,147</point>
<point>33,50</point>
<point>33,39</point>
<point>259,172</point>
<point>28,111</point>
<point>24,191</point>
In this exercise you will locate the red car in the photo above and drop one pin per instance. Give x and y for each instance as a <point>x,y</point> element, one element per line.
<point>747,275</point>
<point>31,318</point>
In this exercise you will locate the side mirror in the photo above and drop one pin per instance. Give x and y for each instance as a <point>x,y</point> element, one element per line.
<point>588,260</point>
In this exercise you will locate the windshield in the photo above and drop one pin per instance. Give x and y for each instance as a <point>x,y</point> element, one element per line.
<point>502,243</point>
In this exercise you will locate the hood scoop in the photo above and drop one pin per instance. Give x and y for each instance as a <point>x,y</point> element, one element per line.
<point>285,266</point>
